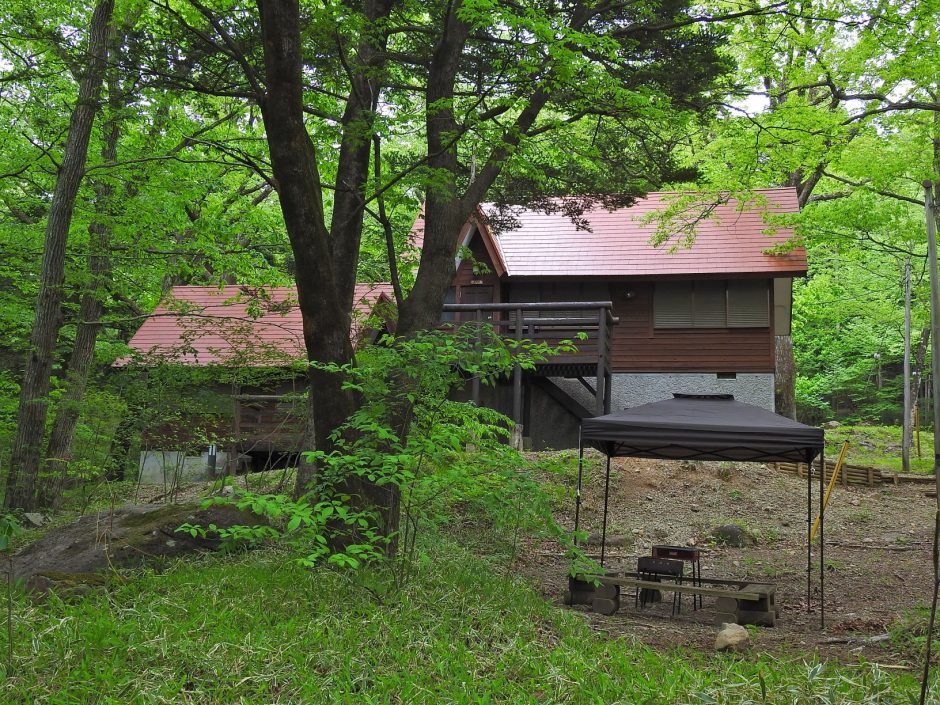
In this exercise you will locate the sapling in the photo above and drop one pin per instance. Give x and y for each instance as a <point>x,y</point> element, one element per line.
<point>8,529</point>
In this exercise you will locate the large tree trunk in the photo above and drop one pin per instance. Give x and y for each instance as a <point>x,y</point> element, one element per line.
<point>325,305</point>
<point>785,377</point>
<point>22,481</point>
<point>59,450</point>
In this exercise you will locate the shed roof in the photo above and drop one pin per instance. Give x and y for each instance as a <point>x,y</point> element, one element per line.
<point>730,239</point>
<point>209,325</point>
<point>702,427</point>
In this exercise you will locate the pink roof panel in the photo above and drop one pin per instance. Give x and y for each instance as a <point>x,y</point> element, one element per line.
<point>236,325</point>
<point>728,240</point>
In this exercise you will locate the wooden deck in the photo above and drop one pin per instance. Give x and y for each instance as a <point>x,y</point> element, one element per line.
<point>587,324</point>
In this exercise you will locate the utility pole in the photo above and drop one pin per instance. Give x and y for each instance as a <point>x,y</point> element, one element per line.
<point>906,426</point>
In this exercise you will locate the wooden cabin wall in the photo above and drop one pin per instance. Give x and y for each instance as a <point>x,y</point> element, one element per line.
<point>639,347</point>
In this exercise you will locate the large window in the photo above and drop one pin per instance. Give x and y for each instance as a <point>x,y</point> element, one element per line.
<point>734,303</point>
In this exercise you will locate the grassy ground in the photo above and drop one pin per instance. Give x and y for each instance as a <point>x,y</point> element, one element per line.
<point>879,447</point>
<point>256,628</point>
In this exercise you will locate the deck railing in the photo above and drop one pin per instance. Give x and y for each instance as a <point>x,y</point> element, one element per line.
<point>550,322</point>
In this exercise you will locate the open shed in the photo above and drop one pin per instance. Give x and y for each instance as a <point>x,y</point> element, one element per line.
<point>709,427</point>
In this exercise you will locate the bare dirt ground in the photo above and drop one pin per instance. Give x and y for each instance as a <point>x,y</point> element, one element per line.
<point>878,554</point>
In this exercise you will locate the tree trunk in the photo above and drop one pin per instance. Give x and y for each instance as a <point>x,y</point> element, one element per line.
<point>59,450</point>
<point>917,376</point>
<point>22,481</point>
<point>785,377</point>
<point>324,308</point>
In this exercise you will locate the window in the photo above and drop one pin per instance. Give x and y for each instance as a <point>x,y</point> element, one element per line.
<point>748,303</point>
<point>735,303</point>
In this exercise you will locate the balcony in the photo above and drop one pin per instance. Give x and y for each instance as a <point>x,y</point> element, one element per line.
<point>550,322</point>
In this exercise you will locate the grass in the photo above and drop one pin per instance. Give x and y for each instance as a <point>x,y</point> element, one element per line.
<point>879,447</point>
<point>256,628</point>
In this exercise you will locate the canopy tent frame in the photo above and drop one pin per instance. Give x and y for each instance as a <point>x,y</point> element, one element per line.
<point>645,432</point>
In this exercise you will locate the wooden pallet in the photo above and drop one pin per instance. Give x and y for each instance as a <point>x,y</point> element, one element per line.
<point>849,475</point>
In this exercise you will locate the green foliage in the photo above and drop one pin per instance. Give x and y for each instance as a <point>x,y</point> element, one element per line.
<point>9,529</point>
<point>409,439</point>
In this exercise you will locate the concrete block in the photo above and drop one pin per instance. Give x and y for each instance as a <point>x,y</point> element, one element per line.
<point>605,606</point>
<point>725,618</point>
<point>758,617</point>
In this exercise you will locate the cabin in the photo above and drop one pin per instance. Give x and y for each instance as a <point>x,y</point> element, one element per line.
<point>249,342</point>
<point>699,319</point>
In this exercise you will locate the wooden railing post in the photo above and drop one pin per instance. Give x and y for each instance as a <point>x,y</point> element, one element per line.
<point>475,384</point>
<point>600,381</point>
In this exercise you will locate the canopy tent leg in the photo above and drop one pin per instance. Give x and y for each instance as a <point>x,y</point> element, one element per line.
<point>809,529</point>
<point>604,524</point>
<point>577,492</point>
<point>822,540</point>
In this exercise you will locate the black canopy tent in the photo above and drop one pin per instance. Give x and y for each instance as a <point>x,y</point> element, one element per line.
<point>708,427</point>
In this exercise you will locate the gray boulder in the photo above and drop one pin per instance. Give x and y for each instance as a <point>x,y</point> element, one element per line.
<point>81,552</point>
<point>732,535</point>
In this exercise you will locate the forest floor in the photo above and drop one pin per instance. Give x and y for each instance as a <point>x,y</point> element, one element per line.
<point>258,628</point>
<point>877,555</point>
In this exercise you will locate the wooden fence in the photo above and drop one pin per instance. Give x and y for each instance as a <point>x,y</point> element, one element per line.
<point>849,475</point>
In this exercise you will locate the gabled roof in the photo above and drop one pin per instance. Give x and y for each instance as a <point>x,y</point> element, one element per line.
<point>728,241</point>
<point>208,325</point>
<point>476,224</point>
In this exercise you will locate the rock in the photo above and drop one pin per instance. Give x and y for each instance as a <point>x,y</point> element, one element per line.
<point>34,519</point>
<point>649,498</point>
<point>127,537</point>
<point>695,508</point>
<point>228,490</point>
<point>867,540</point>
<point>832,424</point>
<point>855,503</point>
<point>690,542</point>
<point>784,523</point>
<point>66,585</point>
<point>732,637</point>
<point>768,509</point>
<point>732,535</point>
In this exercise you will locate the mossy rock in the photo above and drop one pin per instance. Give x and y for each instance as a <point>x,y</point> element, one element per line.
<point>733,535</point>
<point>67,585</point>
<point>128,537</point>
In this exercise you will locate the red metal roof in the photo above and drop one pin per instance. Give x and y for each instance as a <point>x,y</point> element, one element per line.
<point>728,240</point>
<point>236,325</point>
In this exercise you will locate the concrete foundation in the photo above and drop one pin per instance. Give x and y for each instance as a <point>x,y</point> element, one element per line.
<point>630,389</point>
<point>159,467</point>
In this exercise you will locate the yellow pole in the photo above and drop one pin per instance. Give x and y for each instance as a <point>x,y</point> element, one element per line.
<point>832,482</point>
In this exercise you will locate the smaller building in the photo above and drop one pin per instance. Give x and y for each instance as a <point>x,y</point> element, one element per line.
<point>242,350</point>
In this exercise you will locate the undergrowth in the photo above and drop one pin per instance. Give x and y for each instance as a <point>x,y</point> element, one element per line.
<point>258,628</point>
<point>879,447</point>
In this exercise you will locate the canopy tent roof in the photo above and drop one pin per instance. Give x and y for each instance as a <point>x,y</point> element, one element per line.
<point>702,427</point>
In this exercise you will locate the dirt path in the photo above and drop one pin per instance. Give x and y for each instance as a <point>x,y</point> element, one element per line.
<point>877,555</point>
